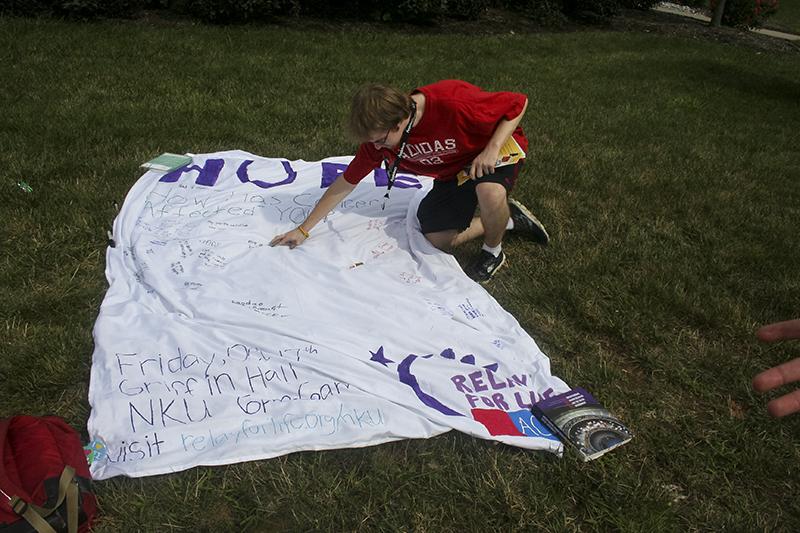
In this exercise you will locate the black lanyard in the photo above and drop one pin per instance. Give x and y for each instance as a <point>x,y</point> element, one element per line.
<point>392,170</point>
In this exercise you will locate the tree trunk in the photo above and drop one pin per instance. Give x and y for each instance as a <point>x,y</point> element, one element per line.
<point>716,20</point>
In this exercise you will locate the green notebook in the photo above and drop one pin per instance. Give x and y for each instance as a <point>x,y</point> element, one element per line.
<point>166,162</point>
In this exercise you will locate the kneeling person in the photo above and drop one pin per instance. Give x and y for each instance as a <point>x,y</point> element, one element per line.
<point>439,130</point>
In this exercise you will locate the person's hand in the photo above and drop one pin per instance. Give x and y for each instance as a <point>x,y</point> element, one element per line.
<point>290,238</point>
<point>780,375</point>
<point>484,163</point>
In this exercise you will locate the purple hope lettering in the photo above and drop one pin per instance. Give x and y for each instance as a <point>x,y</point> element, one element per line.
<point>401,181</point>
<point>241,173</point>
<point>208,173</point>
<point>381,177</point>
<point>331,171</point>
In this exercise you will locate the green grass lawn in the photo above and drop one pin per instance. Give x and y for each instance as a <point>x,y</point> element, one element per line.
<point>788,15</point>
<point>667,173</point>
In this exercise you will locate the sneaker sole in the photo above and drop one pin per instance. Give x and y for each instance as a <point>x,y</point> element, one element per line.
<point>530,215</point>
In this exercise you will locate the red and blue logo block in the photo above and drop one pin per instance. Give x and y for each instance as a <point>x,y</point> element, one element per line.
<point>520,423</point>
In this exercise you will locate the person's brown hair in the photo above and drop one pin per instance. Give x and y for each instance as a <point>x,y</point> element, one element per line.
<point>376,108</point>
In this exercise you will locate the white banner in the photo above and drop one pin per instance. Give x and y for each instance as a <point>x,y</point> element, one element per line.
<point>211,347</point>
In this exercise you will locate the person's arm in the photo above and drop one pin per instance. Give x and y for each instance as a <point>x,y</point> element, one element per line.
<point>332,196</point>
<point>484,163</point>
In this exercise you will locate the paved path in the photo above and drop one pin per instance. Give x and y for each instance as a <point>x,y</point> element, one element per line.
<point>676,9</point>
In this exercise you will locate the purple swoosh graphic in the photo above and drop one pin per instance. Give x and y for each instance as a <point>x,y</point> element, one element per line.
<point>404,372</point>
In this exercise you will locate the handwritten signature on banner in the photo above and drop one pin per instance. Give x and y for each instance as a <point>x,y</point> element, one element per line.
<point>325,424</point>
<point>179,389</point>
<point>150,445</point>
<point>165,390</point>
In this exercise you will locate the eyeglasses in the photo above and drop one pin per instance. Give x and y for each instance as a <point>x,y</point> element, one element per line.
<point>383,141</point>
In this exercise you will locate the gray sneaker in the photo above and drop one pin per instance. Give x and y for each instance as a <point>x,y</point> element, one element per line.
<point>526,224</point>
<point>484,266</point>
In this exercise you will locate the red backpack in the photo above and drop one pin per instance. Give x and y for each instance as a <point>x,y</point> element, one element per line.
<point>45,484</point>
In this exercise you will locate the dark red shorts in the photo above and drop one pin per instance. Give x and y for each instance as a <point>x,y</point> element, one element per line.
<point>449,206</point>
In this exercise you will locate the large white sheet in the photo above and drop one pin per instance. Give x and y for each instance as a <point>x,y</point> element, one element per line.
<point>211,347</point>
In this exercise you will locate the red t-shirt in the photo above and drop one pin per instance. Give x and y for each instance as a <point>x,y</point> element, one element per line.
<point>458,123</point>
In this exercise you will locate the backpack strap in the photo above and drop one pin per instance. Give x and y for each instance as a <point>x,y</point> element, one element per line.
<point>25,510</point>
<point>67,489</point>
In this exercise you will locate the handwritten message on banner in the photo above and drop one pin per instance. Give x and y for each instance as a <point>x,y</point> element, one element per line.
<point>211,347</point>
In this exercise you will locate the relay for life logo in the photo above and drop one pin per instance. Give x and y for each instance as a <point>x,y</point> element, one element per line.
<point>500,403</point>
